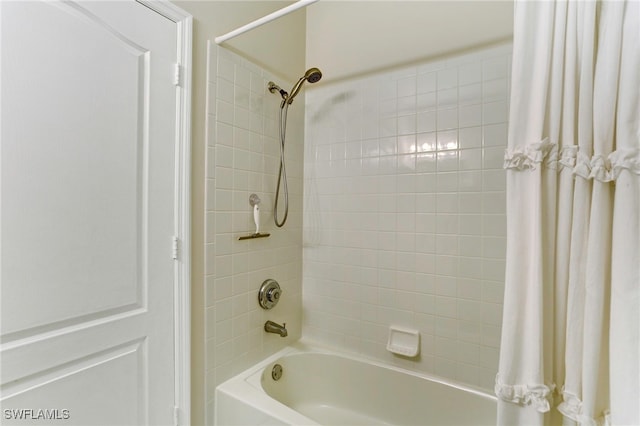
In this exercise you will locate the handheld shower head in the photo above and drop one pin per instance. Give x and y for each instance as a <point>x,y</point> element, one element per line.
<point>313,75</point>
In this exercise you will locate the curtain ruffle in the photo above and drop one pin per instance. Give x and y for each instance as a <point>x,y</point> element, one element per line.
<point>598,167</point>
<point>568,156</point>
<point>529,156</point>
<point>538,396</point>
<point>571,407</point>
<point>625,159</point>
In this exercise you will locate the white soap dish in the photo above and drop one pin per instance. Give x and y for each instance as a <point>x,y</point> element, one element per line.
<point>404,342</point>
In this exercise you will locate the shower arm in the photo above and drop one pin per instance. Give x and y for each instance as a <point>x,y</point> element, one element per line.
<point>275,88</point>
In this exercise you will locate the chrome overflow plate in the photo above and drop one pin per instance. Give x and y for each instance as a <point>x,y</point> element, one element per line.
<point>276,372</point>
<point>269,294</point>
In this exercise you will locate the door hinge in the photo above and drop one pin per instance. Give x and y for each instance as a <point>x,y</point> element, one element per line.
<point>177,74</point>
<point>174,248</point>
<point>176,416</point>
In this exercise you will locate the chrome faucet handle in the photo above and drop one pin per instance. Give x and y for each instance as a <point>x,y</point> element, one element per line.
<point>269,294</point>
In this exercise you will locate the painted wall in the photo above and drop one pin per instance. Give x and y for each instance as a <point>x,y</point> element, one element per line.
<point>405,212</point>
<point>346,38</point>
<point>212,18</point>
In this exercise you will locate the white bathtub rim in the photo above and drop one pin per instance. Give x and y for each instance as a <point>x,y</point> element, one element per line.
<point>247,386</point>
<point>253,375</point>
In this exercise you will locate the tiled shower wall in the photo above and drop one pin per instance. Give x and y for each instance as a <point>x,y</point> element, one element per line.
<point>243,158</point>
<point>405,212</point>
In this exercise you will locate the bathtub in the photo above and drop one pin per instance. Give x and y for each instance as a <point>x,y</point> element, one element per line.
<point>321,387</point>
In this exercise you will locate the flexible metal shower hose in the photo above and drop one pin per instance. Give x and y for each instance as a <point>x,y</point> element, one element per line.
<point>282,174</point>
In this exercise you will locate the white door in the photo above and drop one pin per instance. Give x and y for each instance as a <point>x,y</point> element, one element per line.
<point>88,128</point>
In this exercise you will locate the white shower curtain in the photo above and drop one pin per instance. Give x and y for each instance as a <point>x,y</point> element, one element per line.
<point>571,326</point>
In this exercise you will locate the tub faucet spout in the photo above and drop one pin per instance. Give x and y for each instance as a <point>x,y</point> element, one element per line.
<point>272,327</point>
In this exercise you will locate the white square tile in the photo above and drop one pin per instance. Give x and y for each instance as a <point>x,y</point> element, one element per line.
<point>447,140</point>
<point>445,367</point>
<point>494,68</point>
<point>425,222</point>
<point>447,245</point>
<point>242,77</point>
<point>426,101</point>
<point>494,112</point>
<point>468,288</point>
<point>224,156</point>
<point>224,112</point>
<point>470,245</point>
<point>447,327</point>
<point>387,146</point>
<point>471,224</point>
<point>492,269</point>
<point>469,331</point>
<point>425,243</point>
<point>388,107</point>
<point>388,127</point>
<point>495,135</point>
<point>407,86</point>
<point>426,163</point>
<point>226,69</point>
<point>448,98</point>
<point>470,137</point>
<point>407,124</point>
<point>447,78</point>
<point>494,90</point>
<point>224,177</point>
<point>447,181</point>
<point>493,180</point>
<point>425,263</point>
<point>494,202</point>
<point>490,336</point>
<point>406,105</point>
<point>446,265</point>
<point>241,117</point>
<point>470,310</point>
<point>470,116</point>
<point>427,82</point>
<point>468,353</point>
<point>471,159</point>
<point>447,203</point>
<point>493,158</point>
<point>426,121</point>
<point>470,94</point>
<point>493,292</point>
<point>447,223</point>
<point>447,119</point>
<point>446,348</point>
<point>241,97</point>
<point>470,73</point>
<point>470,202</point>
<point>426,142</point>
<point>492,314</point>
<point>447,161</point>
<point>470,180</point>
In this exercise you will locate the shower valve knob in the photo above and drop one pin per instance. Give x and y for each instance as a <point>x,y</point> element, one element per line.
<point>269,294</point>
<point>273,294</point>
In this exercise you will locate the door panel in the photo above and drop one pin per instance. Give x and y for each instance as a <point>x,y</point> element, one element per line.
<point>87,211</point>
<point>100,376</point>
<point>78,210</point>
